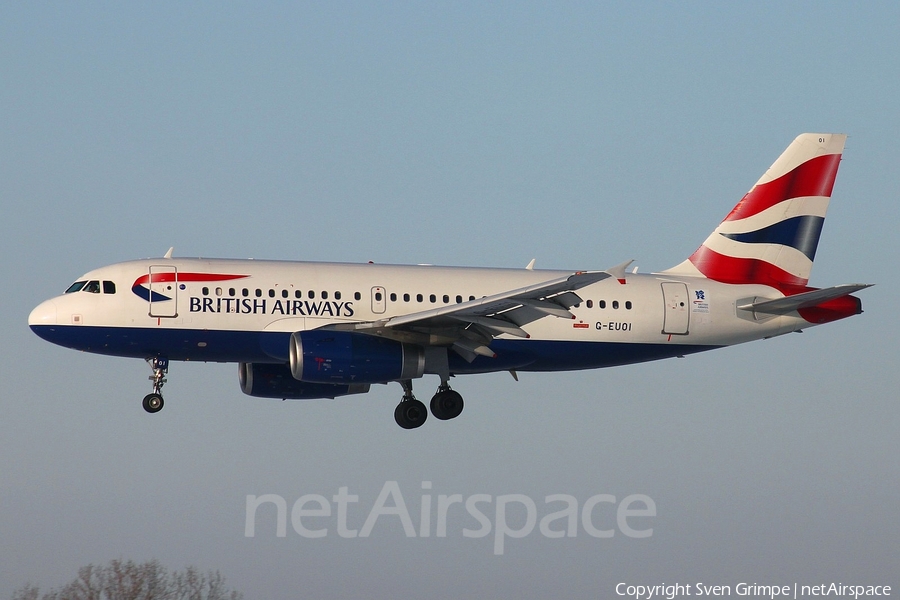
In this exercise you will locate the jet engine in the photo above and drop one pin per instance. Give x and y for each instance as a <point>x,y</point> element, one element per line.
<point>343,357</point>
<point>275,381</point>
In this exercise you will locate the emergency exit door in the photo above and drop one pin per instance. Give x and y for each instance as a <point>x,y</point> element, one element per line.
<point>379,302</point>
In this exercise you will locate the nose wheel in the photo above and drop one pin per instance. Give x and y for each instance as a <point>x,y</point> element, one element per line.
<point>153,403</point>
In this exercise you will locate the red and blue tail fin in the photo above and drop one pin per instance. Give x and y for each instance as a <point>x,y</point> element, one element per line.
<point>771,236</point>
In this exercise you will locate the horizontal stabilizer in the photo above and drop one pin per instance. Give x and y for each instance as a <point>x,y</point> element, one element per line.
<point>783,306</point>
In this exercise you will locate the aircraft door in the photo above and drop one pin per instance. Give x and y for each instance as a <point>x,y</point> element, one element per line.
<point>677,315</point>
<point>163,291</point>
<point>379,303</point>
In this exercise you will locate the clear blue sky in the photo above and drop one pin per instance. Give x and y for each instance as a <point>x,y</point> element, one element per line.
<point>579,134</point>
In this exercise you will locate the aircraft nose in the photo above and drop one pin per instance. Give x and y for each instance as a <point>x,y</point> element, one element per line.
<point>43,314</point>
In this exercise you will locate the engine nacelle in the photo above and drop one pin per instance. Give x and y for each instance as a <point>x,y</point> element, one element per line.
<point>345,357</point>
<point>275,381</point>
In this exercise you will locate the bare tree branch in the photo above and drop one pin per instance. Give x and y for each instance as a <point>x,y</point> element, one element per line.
<point>135,581</point>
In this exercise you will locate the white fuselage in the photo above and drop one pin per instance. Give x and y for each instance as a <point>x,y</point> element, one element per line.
<point>223,310</point>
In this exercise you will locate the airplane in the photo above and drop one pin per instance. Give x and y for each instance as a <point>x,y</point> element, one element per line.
<point>306,330</point>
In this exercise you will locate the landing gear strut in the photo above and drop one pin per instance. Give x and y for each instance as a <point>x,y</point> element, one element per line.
<point>153,403</point>
<point>410,413</point>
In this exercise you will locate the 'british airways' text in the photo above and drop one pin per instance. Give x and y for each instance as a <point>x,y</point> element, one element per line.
<point>262,306</point>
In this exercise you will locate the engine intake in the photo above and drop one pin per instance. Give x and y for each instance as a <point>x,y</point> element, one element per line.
<point>275,381</point>
<point>340,357</point>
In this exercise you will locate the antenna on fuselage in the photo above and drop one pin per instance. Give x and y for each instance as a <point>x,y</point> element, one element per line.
<point>169,253</point>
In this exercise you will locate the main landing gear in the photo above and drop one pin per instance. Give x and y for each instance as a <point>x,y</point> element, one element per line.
<point>153,403</point>
<point>411,413</point>
<point>446,404</point>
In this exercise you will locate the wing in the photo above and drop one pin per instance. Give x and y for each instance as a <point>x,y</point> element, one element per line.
<point>470,326</point>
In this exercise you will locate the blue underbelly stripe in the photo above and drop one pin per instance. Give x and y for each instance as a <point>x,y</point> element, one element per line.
<point>264,347</point>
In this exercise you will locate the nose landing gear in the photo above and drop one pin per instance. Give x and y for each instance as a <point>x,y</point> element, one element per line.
<point>153,403</point>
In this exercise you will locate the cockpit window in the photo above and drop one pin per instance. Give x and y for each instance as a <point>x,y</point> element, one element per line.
<point>92,287</point>
<point>109,287</point>
<point>75,287</point>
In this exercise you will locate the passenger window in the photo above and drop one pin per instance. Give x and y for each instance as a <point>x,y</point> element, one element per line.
<point>419,297</point>
<point>615,304</point>
<point>76,287</point>
<point>406,297</point>
<point>258,293</point>
<point>231,292</point>
<point>357,295</point>
<point>218,291</point>
<point>446,299</point>
<point>298,294</point>
<point>245,292</point>
<point>109,287</point>
<point>311,294</point>
<point>602,304</point>
<point>589,304</point>
<point>284,293</point>
<point>628,305</point>
<point>471,298</point>
<point>377,296</point>
<point>271,293</point>
<point>324,295</point>
<point>337,295</point>
<point>393,297</point>
<point>432,298</point>
<point>459,299</point>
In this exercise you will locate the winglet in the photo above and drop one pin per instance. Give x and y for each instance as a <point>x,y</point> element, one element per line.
<point>618,271</point>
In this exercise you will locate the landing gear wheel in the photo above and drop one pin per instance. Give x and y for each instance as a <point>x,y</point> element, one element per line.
<point>153,403</point>
<point>446,404</point>
<point>410,414</point>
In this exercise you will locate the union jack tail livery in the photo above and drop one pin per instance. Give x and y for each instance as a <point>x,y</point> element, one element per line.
<point>770,237</point>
